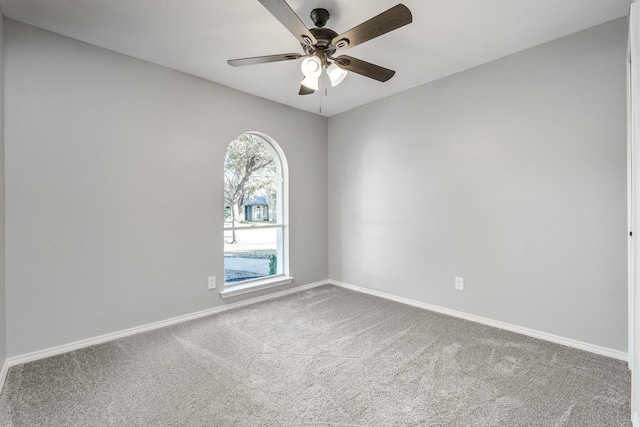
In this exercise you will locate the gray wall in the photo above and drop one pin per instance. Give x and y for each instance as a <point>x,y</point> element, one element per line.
<point>3,323</point>
<point>114,197</point>
<point>511,175</point>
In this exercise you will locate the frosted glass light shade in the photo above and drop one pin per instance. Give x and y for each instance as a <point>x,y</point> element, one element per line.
<point>311,83</point>
<point>311,67</point>
<point>336,74</point>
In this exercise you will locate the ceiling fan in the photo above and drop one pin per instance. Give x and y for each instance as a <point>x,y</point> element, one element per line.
<point>320,44</point>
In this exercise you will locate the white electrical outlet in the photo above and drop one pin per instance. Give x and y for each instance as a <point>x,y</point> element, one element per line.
<point>459,284</point>
<point>212,282</point>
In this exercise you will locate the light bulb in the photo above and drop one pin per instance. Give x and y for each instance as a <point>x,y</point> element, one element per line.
<point>311,83</point>
<point>336,74</point>
<point>311,67</point>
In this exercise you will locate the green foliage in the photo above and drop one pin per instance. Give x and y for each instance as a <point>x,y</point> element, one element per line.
<point>273,264</point>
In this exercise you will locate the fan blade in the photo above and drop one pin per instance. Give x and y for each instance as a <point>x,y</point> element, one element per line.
<point>287,17</point>
<point>390,20</point>
<point>263,59</point>
<point>364,68</point>
<point>305,90</point>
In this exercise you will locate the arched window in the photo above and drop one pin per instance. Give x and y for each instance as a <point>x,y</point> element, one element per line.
<point>255,215</point>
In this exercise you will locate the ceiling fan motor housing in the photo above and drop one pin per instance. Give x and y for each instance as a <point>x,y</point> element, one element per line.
<point>322,47</point>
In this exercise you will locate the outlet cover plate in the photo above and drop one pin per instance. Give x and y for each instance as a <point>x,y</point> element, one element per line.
<point>459,284</point>
<point>211,284</point>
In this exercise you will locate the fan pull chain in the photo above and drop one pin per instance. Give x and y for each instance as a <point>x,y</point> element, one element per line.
<point>322,85</point>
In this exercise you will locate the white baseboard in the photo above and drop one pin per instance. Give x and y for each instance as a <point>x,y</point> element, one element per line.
<point>636,420</point>
<point>53,351</point>
<point>3,373</point>
<point>615,354</point>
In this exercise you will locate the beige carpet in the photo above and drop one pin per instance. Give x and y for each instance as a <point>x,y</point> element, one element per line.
<point>323,357</point>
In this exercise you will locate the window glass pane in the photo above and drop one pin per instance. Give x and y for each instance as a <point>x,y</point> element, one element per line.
<point>251,183</point>
<point>254,254</point>
<point>253,199</point>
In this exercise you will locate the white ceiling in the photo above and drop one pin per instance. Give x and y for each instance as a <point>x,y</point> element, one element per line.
<point>198,36</point>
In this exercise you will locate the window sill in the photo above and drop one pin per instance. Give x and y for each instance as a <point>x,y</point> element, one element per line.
<point>254,285</point>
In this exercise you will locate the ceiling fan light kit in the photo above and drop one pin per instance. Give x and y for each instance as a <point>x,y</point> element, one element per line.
<point>311,83</point>
<point>336,74</point>
<point>320,44</point>
<point>311,67</point>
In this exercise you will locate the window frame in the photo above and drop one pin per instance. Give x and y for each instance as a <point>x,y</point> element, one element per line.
<point>282,276</point>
